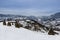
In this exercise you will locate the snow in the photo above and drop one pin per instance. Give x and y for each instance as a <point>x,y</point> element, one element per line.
<point>23,23</point>
<point>12,33</point>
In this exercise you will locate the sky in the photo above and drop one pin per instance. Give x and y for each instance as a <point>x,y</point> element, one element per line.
<point>30,7</point>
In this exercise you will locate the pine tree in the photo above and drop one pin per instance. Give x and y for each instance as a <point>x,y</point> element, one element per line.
<point>4,22</point>
<point>51,32</point>
<point>9,24</point>
<point>18,25</point>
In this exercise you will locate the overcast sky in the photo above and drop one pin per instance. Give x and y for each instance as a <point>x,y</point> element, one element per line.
<point>29,7</point>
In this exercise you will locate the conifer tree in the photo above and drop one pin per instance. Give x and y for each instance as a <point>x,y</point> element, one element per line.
<point>9,24</point>
<point>4,22</point>
<point>18,25</point>
<point>51,32</point>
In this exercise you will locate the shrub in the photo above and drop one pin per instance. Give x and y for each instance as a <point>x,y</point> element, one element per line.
<point>36,29</point>
<point>18,25</point>
<point>9,24</point>
<point>28,27</point>
<point>51,32</point>
<point>4,22</point>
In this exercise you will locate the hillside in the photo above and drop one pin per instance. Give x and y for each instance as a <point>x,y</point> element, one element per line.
<point>12,33</point>
<point>56,15</point>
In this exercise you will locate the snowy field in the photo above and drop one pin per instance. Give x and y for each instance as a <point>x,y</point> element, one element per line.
<point>12,33</point>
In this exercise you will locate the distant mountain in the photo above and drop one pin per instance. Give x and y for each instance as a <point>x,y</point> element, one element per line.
<point>17,16</point>
<point>51,17</point>
<point>44,18</point>
<point>10,15</point>
<point>33,18</point>
<point>6,15</point>
<point>56,15</point>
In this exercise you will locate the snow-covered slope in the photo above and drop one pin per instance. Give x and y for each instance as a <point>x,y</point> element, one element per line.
<point>12,33</point>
